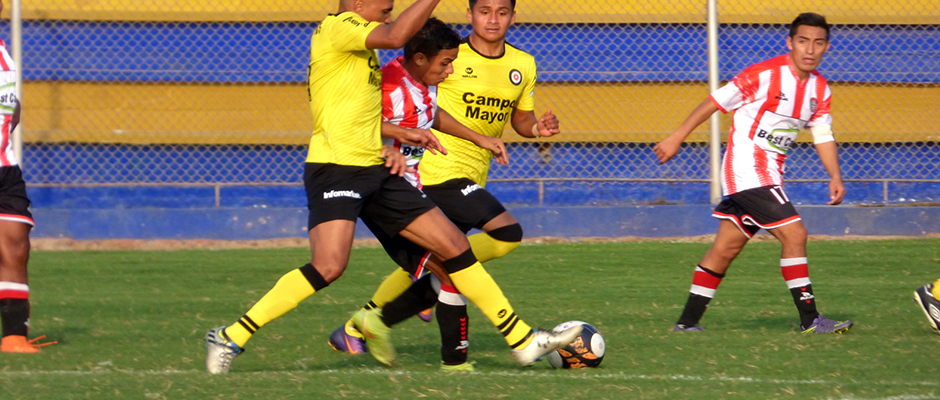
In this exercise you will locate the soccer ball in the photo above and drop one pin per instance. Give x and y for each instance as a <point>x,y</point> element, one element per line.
<point>586,351</point>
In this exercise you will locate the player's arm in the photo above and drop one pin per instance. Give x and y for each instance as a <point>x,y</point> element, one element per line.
<point>669,147</point>
<point>409,22</point>
<point>829,155</point>
<point>446,123</point>
<point>525,124</point>
<point>413,136</point>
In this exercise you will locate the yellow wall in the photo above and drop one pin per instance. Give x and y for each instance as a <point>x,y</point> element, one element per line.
<point>550,11</point>
<point>278,114</point>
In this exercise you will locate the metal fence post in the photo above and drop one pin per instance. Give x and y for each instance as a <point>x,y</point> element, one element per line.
<point>714,143</point>
<point>16,33</point>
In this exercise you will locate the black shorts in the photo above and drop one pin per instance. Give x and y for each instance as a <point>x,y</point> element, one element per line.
<point>14,205</point>
<point>465,203</point>
<point>387,202</point>
<point>765,207</point>
<point>409,256</point>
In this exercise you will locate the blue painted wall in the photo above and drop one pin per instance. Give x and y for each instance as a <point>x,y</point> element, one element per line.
<point>568,222</point>
<point>279,52</point>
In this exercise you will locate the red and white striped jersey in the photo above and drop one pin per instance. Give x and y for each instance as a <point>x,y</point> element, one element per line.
<point>7,106</point>
<point>409,104</point>
<point>771,106</point>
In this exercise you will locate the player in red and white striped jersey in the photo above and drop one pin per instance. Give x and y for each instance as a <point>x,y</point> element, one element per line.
<point>772,101</point>
<point>16,220</point>
<point>409,100</point>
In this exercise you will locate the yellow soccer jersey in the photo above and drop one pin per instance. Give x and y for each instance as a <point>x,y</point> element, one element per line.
<point>481,94</point>
<point>344,87</point>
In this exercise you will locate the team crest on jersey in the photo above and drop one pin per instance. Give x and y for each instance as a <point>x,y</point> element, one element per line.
<point>515,77</point>
<point>813,104</point>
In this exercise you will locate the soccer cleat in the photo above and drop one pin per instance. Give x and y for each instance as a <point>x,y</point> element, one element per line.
<point>19,344</point>
<point>687,328</point>
<point>823,325</point>
<point>544,342</point>
<point>376,334</point>
<point>348,340</point>
<point>929,305</point>
<point>465,367</point>
<point>220,351</point>
<point>426,315</point>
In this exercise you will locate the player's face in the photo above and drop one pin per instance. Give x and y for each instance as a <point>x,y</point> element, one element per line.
<point>375,10</point>
<point>491,19</point>
<point>807,47</point>
<point>439,68</point>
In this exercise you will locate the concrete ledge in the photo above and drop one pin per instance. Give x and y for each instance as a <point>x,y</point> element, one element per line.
<point>567,222</point>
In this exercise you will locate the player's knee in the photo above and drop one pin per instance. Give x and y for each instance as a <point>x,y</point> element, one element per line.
<point>323,273</point>
<point>506,239</point>
<point>459,263</point>
<point>508,233</point>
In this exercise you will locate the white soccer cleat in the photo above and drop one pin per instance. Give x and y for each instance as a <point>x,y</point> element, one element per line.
<point>220,351</point>
<point>544,342</point>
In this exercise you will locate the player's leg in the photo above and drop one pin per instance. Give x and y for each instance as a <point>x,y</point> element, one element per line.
<point>15,223</point>
<point>14,288</point>
<point>926,297</point>
<point>434,232</point>
<point>795,270</point>
<point>708,274</point>
<point>332,221</point>
<point>411,260</point>
<point>470,206</point>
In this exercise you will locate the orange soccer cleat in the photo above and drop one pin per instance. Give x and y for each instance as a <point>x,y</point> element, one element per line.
<point>19,344</point>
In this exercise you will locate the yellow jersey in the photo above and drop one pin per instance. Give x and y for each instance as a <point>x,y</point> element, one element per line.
<point>344,87</point>
<point>481,94</point>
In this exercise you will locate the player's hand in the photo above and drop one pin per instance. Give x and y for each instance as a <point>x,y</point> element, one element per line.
<point>667,149</point>
<point>395,161</point>
<point>548,125</point>
<point>498,148</point>
<point>836,192</point>
<point>424,138</point>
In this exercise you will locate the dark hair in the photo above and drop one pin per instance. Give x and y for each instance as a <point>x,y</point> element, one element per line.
<point>809,19</point>
<point>512,3</point>
<point>433,37</point>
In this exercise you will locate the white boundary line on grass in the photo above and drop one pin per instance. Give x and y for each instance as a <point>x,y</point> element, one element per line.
<point>581,375</point>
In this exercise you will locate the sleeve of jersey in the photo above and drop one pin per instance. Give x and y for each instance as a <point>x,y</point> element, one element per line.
<point>350,33</point>
<point>821,116</point>
<point>527,100</point>
<point>7,92</point>
<point>392,107</point>
<point>729,97</point>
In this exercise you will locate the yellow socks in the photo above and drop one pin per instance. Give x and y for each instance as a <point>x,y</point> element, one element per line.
<point>485,248</point>
<point>936,289</point>
<point>291,289</point>
<point>480,288</point>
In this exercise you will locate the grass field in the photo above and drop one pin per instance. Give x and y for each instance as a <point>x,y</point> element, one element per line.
<point>130,325</point>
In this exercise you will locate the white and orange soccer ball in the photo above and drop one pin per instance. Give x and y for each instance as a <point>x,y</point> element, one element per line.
<point>586,351</point>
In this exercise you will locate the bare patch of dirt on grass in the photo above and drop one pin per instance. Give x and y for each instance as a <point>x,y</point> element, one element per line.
<point>48,244</point>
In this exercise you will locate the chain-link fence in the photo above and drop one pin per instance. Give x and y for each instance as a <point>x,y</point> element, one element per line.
<point>213,92</point>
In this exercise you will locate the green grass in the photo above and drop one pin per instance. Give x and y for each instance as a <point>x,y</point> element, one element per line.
<point>130,325</point>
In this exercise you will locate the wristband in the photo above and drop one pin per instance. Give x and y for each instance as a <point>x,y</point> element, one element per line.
<point>535,131</point>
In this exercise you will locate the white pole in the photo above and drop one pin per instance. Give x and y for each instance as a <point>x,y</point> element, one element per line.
<point>714,143</point>
<point>16,31</point>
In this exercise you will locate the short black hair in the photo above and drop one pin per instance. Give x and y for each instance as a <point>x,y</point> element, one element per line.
<point>512,3</point>
<point>809,19</point>
<point>433,37</point>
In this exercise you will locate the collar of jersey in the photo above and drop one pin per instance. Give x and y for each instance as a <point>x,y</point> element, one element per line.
<point>467,39</point>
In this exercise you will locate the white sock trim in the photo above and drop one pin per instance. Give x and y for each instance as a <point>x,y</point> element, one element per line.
<point>789,262</point>
<point>14,286</point>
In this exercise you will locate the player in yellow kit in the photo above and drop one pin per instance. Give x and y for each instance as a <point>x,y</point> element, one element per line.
<point>350,175</point>
<point>493,84</point>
